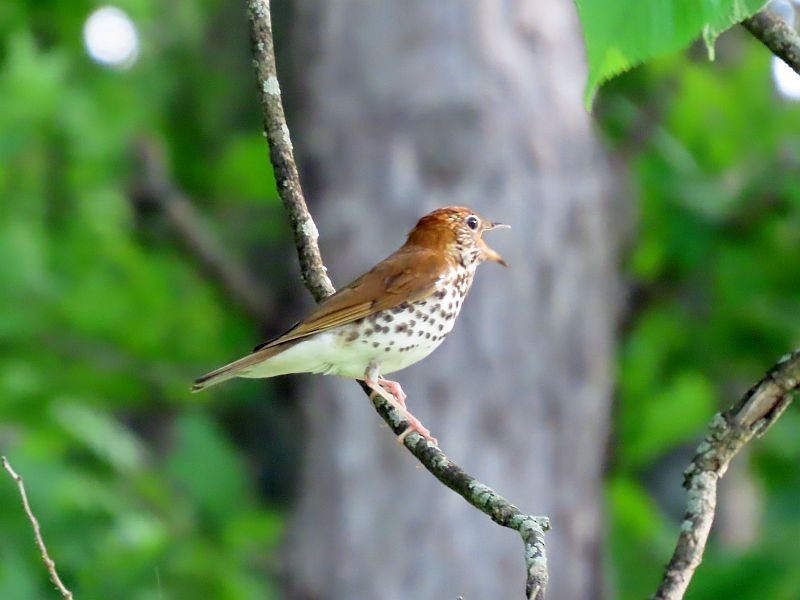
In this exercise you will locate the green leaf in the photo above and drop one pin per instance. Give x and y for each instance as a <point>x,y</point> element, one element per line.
<point>621,34</point>
<point>639,537</point>
<point>108,439</point>
<point>244,172</point>
<point>17,578</point>
<point>675,415</point>
<point>207,467</point>
<point>633,510</point>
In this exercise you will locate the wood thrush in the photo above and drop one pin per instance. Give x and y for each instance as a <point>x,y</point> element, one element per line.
<point>386,320</point>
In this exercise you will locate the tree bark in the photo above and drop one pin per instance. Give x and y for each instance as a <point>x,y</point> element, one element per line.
<point>401,107</point>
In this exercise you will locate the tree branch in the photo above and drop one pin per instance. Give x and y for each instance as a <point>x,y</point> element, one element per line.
<point>479,495</point>
<point>155,188</point>
<point>37,532</point>
<point>776,35</point>
<point>281,153</point>
<point>753,415</point>
<point>758,409</point>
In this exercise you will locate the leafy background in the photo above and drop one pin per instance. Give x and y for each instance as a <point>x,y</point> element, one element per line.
<point>104,319</point>
<point>712,156</point>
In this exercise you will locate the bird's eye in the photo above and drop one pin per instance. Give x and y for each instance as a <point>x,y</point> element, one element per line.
<point>472,222</point>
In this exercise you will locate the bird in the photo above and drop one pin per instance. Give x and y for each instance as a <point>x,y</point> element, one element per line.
<point>391,317</point>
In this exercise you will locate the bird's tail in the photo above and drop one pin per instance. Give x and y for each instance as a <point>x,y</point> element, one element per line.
<point>235,369</point>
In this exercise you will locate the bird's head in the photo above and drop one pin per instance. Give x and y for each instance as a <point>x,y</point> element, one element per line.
<point>457,231</point>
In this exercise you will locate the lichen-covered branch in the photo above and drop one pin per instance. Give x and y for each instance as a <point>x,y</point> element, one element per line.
<point>758,409</point>
<point>281,154</point>
<point>479,495</point>
<point>37,532</point>
<point>776,35</point>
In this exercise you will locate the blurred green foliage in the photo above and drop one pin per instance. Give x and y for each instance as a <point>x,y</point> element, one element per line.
<point>140,491</point>
<point>713,155</point>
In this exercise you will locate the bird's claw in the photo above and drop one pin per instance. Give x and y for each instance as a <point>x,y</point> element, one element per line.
<point>394,389</point>
<point>417,427</point>
<point>394,394</point>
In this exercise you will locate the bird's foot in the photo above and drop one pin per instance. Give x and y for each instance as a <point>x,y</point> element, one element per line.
<point>394,389</point>
<point>394,395</point>
<point>414,424</point>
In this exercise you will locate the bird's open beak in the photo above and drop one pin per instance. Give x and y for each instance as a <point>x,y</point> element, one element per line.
<point>490,254</point>
<point>491,226</point>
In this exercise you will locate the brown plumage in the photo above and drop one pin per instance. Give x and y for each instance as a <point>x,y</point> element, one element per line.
<point>389,318</point>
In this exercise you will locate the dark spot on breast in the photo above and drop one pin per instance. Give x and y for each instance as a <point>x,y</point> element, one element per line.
<point>421,333</point>
<point>391,342</point>
<point>358,321</point>
<point>428,336</point>
<point>352,336</point>
<point>410,308</point>
<point>368,332</point>
<point>401,328</point>
<point>386,349</point>
<point>388,318</point>
<point>441,327</point>
<point>440,294</point>
<point>375,344</point>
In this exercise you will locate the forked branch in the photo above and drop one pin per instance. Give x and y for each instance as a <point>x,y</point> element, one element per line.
<point>728,433</point>
<point>479,495</point>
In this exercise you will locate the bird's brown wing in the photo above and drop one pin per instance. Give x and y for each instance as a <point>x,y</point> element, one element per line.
<point>408,275</point>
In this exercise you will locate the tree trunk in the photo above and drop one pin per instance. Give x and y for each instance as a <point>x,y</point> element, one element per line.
<point>402,107</point>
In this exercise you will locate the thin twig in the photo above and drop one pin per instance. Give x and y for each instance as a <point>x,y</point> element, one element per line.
<point>776,35</point>
<point>758,409</point>
<point>154,188</point>
<point>37,532</point>
<point>479,495</point>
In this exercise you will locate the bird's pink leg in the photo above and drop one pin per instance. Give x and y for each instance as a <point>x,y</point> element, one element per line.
<point>394,389</point>
<point>394,395</point>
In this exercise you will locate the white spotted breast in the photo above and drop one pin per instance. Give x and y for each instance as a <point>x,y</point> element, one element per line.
<point>401,336</point>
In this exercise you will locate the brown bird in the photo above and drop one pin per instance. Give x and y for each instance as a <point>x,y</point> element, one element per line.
<point>386,320</point>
